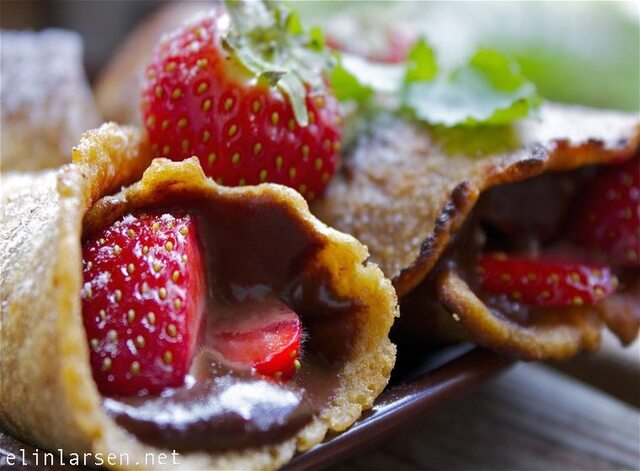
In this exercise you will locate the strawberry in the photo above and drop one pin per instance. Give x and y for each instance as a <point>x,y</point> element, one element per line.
<point>244,91</point>
<point>608,218</point>
<point>142,302</point>
<point>264,335</point>
<point>544,282</point>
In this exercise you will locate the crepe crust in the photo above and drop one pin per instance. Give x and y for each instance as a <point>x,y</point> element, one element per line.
<point>405,190</point>
<point>49,396</point>
<point>558,335</point>
<point>46,100</point>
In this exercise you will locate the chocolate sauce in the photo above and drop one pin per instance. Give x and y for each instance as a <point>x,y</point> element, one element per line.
<point>526,219</point>
<point>215,413</point>
<point>255,251</point>
<point>519,218</point>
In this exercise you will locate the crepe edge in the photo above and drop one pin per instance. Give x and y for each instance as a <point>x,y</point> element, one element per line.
<point>573,334</point>
<point>113,156</point>
<point>559,156</point>
<point>363,377</point>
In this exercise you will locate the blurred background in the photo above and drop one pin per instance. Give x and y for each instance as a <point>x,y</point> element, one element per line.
<point>576,52</point>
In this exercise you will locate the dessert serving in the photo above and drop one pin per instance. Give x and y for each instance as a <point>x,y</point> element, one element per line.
<point>173,313</point>
<point>524,238</point>
<point>181,284</point>
<point>227,324</point>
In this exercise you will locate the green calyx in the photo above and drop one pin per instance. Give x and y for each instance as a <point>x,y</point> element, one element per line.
<point>269,41</point>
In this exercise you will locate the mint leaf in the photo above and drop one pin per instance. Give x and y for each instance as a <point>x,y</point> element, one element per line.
<point>346,85</point>
<point>359,79</point>
<point>293,24</point>
<point>502,73</point>
<point>490,90</point>
<point>317,38</point>
<point>421,63</point>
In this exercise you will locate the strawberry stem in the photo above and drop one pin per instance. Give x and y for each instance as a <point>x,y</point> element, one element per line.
<point>271,44</point>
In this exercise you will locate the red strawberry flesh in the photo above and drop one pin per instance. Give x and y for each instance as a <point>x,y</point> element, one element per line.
<point>198,101</point>
<point>608,218</point>
<point>265,335</point>
<point>543,282</point>
<point>143,299</point>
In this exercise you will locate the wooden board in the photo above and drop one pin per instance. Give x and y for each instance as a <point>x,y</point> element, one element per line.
<point>530,418</point>
<point>613,369</point>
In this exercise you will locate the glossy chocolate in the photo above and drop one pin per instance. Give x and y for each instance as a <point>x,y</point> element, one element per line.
<point>520,218</point>
<point>430,382</point>
<point>215,413</point>
<point>251,253</point>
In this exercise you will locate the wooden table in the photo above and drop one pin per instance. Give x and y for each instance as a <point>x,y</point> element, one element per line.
<point>530,418</point>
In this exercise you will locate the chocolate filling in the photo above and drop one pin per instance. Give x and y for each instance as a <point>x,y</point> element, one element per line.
<point>253,251</point>
<point>530,218</point>
<point>525,218</point>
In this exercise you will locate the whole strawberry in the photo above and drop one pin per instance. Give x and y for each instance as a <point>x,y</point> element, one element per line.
<point>243,89</point>
<point>143,302</point>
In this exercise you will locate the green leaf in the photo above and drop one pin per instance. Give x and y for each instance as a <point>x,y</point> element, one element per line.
<point>294,26</point>
<point>490,90</point>
<point>358,79</point>
<point>317,38</point>
<point>499,70</point>
<point>346,85</point>
<point>421,63</point>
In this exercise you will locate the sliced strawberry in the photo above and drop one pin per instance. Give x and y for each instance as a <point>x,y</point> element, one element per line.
<point>143,299</point>
<point>264,335</point>
<point>544,282</point>
<point>608,218</point>
<point>248,122</point>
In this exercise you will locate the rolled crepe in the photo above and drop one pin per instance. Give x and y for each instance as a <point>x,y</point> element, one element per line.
<point>410,193</point>
<point>48,394</point>
<point>45,99</point>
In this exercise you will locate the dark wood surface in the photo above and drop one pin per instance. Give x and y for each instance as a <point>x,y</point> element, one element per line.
<point>614,370</point>
<point>530,418</point>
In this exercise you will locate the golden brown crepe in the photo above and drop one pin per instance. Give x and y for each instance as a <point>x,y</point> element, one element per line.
<point>406,191</point>
<point>45,98</point>
<point>48,394</point>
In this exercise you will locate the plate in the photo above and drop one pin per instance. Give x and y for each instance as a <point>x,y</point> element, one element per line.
<point>420,383</point>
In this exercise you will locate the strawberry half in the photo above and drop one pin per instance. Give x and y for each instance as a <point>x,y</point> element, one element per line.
<point>608,218</point>
<point>143,299</point>
<point>245,93</point>
<point>543,282</point>
<point>265,335</point>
